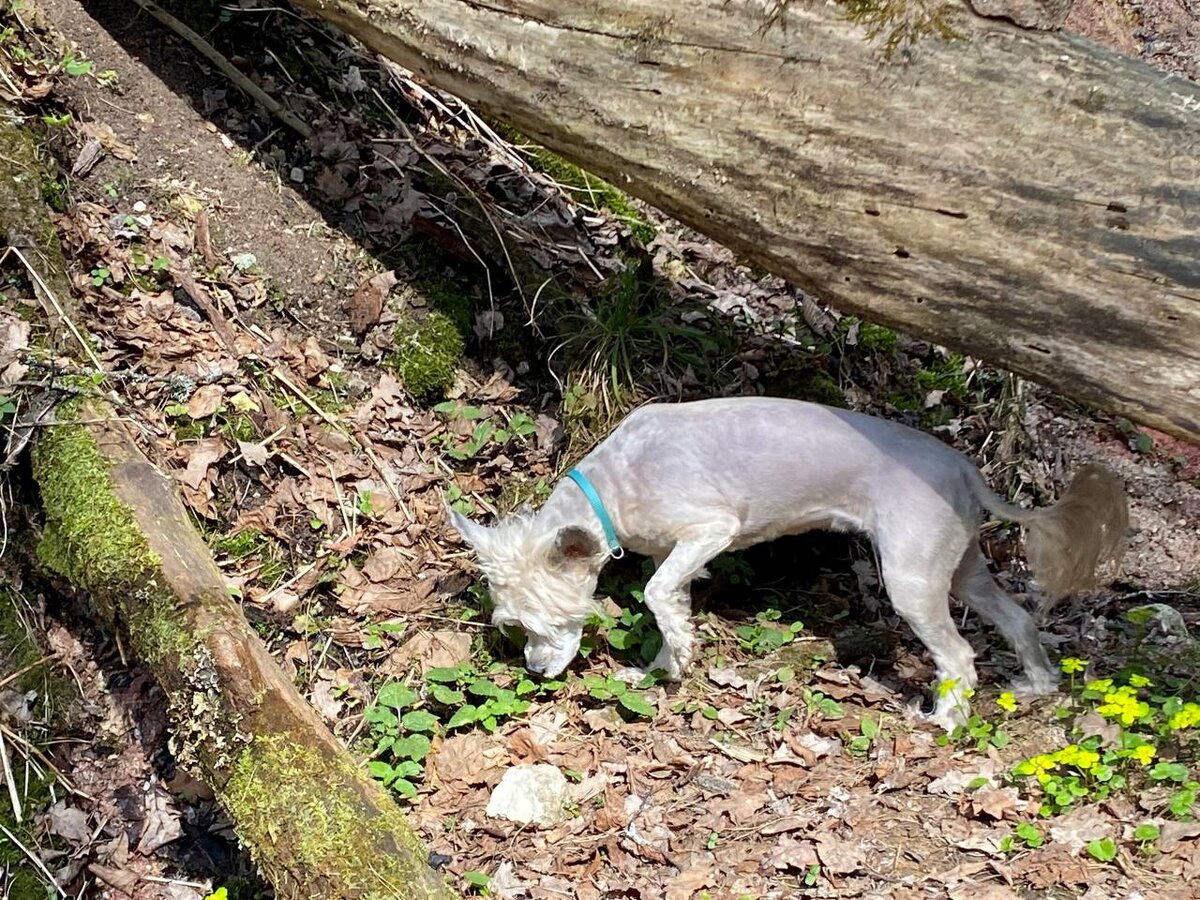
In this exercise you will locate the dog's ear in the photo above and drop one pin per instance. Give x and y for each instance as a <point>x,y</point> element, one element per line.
<point>575,544</point>
<point>472,532</point>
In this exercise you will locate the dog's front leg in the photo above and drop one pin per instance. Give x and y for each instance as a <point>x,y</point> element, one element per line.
<point>668,591</point>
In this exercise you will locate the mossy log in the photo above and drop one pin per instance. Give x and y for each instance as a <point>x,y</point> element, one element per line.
<point>25,222</point>
<point>313,821</point>
<point>1028,197</point>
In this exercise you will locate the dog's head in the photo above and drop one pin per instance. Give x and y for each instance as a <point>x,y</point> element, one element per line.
<point>542,579</point>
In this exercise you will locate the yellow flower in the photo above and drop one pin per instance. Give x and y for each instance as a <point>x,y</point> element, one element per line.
<point>1124,705</point>
<point>1143,753</point>
<point>1007,701</point>
<point>1099,685</point>
<point>1140,681</point>
<point>1079,757</point>
<point>1187,717</point>
<point>1073,664</point>
<point>946,686</point>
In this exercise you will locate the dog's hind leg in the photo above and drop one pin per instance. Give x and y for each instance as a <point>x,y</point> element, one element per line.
<point>668,594</point>
<point>917,575</point>
<point>973,584</point>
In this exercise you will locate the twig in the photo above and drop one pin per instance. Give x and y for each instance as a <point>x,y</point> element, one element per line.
<point>215,317</point>
<point>13,795</point>
<point>58,308</point>
<point>9,679</point>
<point>474,195</point>
<point>205,49</point>
<point>30,750</point>
<point>41,866</point>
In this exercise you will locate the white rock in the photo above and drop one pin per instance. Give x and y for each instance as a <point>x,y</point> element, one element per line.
<point>530,794</point>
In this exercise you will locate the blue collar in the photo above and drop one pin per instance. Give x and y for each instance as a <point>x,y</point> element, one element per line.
<point>610,533</point>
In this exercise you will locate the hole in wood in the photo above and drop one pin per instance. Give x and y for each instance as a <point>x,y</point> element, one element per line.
<point>871,212</point>
<point>952,213</point>
<point>1114,206</point>
<point>902,253</point>
<point>1040,349</point>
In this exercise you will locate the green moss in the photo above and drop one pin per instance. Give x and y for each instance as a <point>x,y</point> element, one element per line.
<point>877,337</point>
<point>946,374</point>
<point>427,353</point>
<point>803,377</point>
<point>452,297</point>
<point>901,22</point>
<point>21,880</point>
<point>188,429</point>
<point>91,539</point>
<point>279,793</point>
<point>239,428</point>
<point>587,189</point>
<point>905,400</point>
<point>90,536</point>
<point>54,193</point>
<point>245,543</point>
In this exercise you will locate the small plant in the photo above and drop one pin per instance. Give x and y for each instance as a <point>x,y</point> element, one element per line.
<point>626,332</point>
<point>979,731</point>
<point>1104,849</point>
<point>75,67</point>
<point>374,632</point>
<point>732,568</point>
<point>818,703</point>
<point>632,634</point>
<point>100,276</point>
<point>466,697</point>
<point>1028,835</point>
<point>607,688</point>
<point>401,733</point>
<point>1147,836</point>
<point>520,425</point>
<point>460,502</point>
<point>861,744</point>
<point>765,636</point>
<point>478,883</point>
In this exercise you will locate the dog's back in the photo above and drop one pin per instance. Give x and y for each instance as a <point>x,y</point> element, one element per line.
<point>781,465</point>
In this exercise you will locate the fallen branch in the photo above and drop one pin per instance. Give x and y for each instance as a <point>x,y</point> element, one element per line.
<point>228,69</point>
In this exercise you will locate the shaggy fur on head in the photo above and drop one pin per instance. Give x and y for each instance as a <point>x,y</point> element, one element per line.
<point>686,482</point>
<point>538,580</point>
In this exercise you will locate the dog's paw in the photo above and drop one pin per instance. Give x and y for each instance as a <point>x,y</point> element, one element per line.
<point>1036,683</point>
<point>946,719</point>
<point>630,675</point>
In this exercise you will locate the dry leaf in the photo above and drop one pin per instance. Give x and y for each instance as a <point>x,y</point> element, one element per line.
<point>200,457</point>
<point>205,401</point>
<point>365,305</point>
<point>162,824</point>
<point>839,857</point>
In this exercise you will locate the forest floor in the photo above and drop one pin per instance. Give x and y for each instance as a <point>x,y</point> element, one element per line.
<point>365,345</point>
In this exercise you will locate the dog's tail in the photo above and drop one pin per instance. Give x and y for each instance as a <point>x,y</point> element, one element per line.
<point>1067,544</point>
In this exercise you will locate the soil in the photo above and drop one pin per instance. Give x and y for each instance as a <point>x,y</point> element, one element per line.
<point>712,796</point>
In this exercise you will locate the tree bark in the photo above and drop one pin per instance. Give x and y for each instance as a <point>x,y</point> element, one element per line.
<point>1027,197</point>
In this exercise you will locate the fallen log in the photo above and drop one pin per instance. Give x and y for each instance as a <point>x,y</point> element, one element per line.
<point>1027,197</point>
<point>314,822</point>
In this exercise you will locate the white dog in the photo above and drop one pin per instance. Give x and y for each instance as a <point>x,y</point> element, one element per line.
<point>685,482</point>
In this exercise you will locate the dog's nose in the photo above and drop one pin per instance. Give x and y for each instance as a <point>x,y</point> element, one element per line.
<point>535,667</point>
